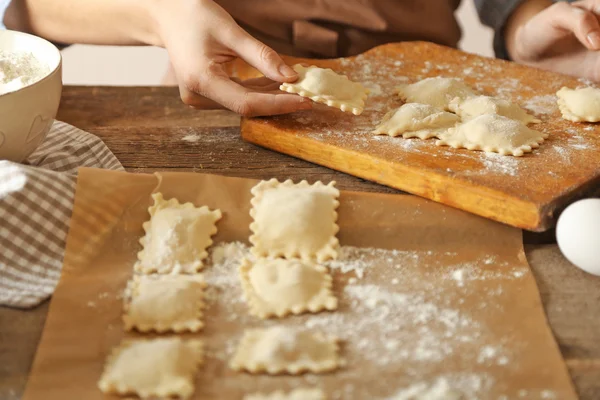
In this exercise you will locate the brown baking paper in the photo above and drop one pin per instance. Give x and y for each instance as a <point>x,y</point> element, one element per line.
<point>448,300</point>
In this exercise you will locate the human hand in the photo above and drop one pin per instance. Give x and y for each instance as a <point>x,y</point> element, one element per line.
<point>201,37</point>
<point>561,37</point>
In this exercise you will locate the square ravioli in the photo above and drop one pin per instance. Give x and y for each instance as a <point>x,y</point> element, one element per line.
<point>278,287</point>
<point>165,303</point>
<point>493,133</point>
<point>416,120</point>
<point>323,85</point>
<point>152,368</point>
<point>296,394</point>
<point>177,237</point>
<point>294,220</point>
<point>279,350</point>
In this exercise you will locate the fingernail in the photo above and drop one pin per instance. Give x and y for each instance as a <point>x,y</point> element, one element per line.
<point>287,71</point>
<point>594,39</point>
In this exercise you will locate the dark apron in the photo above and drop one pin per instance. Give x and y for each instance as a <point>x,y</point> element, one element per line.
<point>339,28</point>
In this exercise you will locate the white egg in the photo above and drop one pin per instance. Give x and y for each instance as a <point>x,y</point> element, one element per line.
<point>578,234</point>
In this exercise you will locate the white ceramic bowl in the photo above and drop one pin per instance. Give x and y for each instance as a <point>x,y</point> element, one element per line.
<point>26,115</point>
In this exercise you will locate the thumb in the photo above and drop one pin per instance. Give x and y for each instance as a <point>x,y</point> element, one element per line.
<point>260,56</point>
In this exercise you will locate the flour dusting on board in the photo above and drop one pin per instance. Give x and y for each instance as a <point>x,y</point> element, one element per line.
<point>410,320</point>
<point>542,105</point>
<point>487,77</point>
<point>501,164</point>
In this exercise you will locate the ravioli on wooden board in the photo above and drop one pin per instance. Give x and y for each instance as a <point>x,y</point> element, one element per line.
<point>411,120</point>
<point>579,105</point>
<point>436,91</point>
<point>323,85</point>
<point>493,133</point>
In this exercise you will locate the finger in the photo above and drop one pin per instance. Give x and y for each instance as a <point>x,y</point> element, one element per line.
<point>259,55</point>
<point>262,84</point>
<point>197,101</point>
<point>265,88</point>
<point>262,81</point>
<point>250,104</point>
<point>590,5</point>
<point>580,21</point>
<point>592,9</point>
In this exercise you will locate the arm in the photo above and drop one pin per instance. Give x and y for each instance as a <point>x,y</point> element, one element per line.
<point>495,14</point>
<point>523,13</point>
<point>200,36</point>
<point>111,22</point>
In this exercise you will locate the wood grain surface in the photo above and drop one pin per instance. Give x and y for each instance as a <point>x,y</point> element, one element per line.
<point>150,130</point>
<point>527,192</point>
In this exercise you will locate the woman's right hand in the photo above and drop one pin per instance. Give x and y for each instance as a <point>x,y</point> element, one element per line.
<point>201,37</point>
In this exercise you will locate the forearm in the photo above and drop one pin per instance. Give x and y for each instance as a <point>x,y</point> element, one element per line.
<point>519,18</point>
<point>111,22</point>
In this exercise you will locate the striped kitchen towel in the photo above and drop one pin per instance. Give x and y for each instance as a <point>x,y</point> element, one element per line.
<point>36,200</point>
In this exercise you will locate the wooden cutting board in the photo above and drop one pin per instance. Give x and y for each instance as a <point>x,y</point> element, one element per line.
<point>526,192</point>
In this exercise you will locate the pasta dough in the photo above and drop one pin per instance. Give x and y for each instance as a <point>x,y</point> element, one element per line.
<point>158,367</point>
<point>294,220</point>
<point>296,394</point>
<point>177,237</point>
<point>475,106</point>
<point>579,105</point>
<point>278,287</point>
<point>278,350</point>
<point>416,120</point>
<point>325,86</point>
<point>165,303</point>
<point>493,133</point>
<point>437,92</point>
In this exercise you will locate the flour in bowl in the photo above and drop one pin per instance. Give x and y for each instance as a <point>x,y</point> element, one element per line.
<point>18,70</point>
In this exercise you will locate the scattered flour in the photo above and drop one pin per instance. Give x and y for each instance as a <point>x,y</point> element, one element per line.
<point>587,82</point>
<point>191,138</point>
<point>351,259</point>
<point>487,353</point>
<point>374,89</point>
<point>441,389</point>
<point>500,164</point>
<point>542,105</point>
<point>462,274</point>
<point>223,273</point>
<point>400,324</point>
<point>576,140</point>
<point>458,276</point>
<point>563,152</point>
<point>103,296</point>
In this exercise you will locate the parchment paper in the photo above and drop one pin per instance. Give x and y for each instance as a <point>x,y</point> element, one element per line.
<point>449,297</point>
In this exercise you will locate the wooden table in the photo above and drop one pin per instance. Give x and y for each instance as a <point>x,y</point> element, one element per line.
<point>149,130</point>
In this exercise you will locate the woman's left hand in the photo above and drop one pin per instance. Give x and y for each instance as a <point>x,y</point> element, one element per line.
<point>562,37</point>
